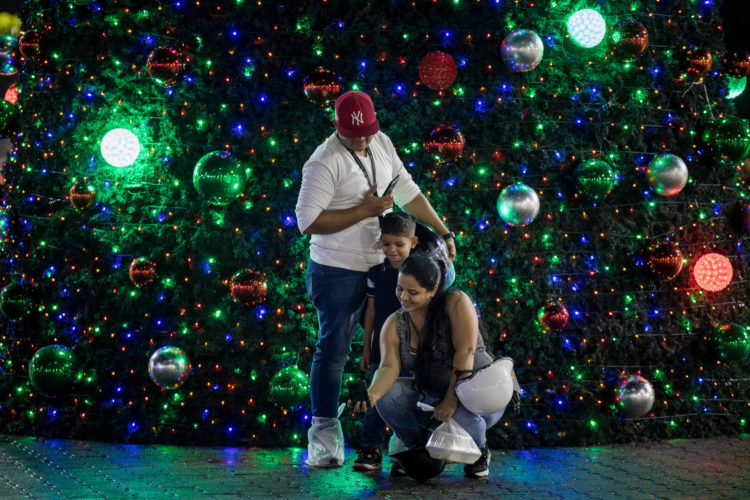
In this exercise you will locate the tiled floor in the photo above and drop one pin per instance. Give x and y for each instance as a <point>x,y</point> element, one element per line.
<point>47,468</point>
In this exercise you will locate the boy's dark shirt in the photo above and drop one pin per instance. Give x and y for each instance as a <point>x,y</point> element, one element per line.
<point>381,285</point>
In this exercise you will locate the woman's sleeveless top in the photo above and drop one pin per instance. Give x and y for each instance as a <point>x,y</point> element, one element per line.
<point>442,358</point>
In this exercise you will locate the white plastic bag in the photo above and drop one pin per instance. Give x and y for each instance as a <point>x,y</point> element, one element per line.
<point>325,442</point>
<point>451,442</point>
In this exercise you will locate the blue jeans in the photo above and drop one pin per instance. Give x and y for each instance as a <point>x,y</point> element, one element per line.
<point>399,410</point>
<point>339,296</point>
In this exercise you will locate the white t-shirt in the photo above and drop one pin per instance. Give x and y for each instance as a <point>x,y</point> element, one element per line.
<point>332,180</point>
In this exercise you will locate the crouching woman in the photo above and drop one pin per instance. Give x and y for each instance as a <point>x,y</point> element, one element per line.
<point>436,336</point>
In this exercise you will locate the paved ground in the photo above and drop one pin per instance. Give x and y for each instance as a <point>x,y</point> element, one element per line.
<point>47,468</point>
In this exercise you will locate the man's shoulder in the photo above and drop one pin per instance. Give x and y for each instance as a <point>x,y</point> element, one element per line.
<point>327,154</point>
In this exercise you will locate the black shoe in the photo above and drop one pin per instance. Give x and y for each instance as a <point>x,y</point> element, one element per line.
<point>480,468</point>
<point>369,459</point>
<point>396,469</point>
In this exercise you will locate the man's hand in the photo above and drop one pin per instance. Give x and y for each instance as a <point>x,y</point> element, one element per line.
<point>374,205</point>
<point>451,244</point>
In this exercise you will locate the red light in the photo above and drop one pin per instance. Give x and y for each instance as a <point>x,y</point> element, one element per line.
<point>713,272</point>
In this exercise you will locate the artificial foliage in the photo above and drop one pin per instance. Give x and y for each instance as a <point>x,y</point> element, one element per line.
<point>193,244</point>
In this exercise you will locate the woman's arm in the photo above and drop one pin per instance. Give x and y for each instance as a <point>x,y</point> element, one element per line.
<point>390,361</point>
<point>464,328</point>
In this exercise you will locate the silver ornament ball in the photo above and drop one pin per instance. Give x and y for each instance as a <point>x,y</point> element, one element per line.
<point>169,367</point>
<point>635,397</point>
<point>518,204</point>
<point>667,174</point>
<point>522,50</point>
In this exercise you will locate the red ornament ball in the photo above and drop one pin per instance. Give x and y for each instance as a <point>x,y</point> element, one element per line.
<point>322,86</point>
<point>30,44</point>
<point>437,70</point>
<point>699,61</point>
<point>447,142</point>
<point>11,95</point>
<point>142,271</point>
<point>628,39</point>
<point>665,260</point>
<point>165,65</point>
<point>82,195</point>
<point>713,272</point>
<point>553,316</point>
<point>737,64</point>
<point>248,286</point>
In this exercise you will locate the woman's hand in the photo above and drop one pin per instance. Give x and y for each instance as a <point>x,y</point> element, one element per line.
<point>362,406</point>
<point>445,409</point>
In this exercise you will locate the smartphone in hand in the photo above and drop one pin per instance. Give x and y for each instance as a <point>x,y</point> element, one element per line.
<point>391,185</point>
<point>358,391</point>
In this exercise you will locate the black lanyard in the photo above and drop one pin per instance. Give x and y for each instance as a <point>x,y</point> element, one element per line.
<point>362,167</point>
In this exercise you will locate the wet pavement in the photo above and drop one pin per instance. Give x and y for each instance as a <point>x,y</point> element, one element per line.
<point>686,468</point>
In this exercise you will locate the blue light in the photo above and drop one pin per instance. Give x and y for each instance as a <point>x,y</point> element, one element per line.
<point>288,220</point>
<point>118,389</point>
<point>263,98</point>
<point>450,182</point>
<point>228,337</point>
<point>260,312</point>
<point>204,415</point>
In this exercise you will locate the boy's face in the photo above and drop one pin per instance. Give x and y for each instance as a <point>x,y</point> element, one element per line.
<point>397,248</point>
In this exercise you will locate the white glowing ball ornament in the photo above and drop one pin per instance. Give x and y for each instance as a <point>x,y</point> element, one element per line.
<point>587,28</point>
<point>120,147</point>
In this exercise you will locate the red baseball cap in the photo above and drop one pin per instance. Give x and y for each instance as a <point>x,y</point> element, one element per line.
<point>355,115</point>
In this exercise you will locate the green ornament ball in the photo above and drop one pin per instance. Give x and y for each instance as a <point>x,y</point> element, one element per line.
<point>290,388</point>
<point>219,177</point>
<point>15,301</point>
<point>595,179</point>
<point>730,136</point>
<point>52,369</point>
<point>734,343</point>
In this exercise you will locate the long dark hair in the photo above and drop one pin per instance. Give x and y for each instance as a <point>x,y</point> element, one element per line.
<point>429,272</point>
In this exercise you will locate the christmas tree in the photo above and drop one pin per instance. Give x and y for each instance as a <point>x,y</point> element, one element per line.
<point>586,154</point>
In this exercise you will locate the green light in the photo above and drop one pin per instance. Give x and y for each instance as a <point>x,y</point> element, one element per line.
<point>586,28</point>
<point>120,147</point>
<point>735,86</point>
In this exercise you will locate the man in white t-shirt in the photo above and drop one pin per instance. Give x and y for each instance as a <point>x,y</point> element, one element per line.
<point>339,205</point>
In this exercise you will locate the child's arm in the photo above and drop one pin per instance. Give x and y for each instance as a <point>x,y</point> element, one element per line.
<point>364,363</point>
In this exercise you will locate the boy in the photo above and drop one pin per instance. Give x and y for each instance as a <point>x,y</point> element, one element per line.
<point>397,241</point>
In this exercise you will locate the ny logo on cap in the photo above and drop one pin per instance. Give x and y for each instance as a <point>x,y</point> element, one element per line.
<point>357,118</point>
